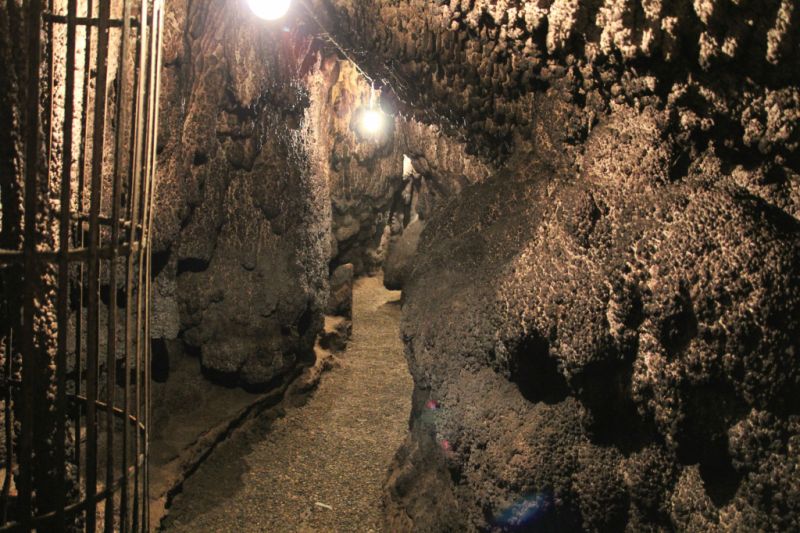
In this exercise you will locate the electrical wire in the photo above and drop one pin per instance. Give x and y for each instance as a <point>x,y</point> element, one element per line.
<point>333,41</point>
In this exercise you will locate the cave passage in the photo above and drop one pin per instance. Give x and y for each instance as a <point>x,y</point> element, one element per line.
<point>208,209</point>
<point>322,466</point>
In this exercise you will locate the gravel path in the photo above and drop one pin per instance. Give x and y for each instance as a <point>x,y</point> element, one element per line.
<point>322,466</point>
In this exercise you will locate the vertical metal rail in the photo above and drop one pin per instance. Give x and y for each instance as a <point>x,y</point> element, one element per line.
<point>93,311</point>
<point>63,269</point>
<point>143,345</point>
<point>30,359</point>
<point>79,239</point>
<point>155,97</point>
<point>109,164</point>
<point>111,360</point>
<point>134,216</point>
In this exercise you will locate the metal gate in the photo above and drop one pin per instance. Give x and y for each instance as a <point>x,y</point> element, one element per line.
<point>75,226</point>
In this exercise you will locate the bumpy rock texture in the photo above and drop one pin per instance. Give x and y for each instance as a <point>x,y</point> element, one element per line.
<point>266,186</point>
<point>604,334</point>
<point>371,196</point>
<point>243,222</point>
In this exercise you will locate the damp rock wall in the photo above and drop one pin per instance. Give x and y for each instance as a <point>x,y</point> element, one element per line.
<point>602,334</point>
<point>366,173</point>
<point>242,224</point>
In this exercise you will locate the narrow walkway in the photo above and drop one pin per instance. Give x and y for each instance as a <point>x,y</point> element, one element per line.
<point>322,466</point>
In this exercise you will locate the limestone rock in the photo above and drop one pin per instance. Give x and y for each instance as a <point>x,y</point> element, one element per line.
<point>400,256</point>
<point>340,302</point>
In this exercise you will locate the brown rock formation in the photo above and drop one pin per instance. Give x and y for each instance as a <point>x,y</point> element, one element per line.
<point>593,330</point>
<point>242,222</point>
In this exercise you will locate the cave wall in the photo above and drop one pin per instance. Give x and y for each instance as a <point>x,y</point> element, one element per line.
<point>603,334</point>
<point>266,186</point>
<point>365,174</point>
<point>242,224</point>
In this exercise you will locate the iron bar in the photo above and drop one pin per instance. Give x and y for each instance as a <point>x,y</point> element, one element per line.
<point>134,216</point>
<point>84,162</point>
<point>93,340</point>
<point>142,350</point>
<point>30,358</point>
<point>88,21</point>
<point>100,219</point>
<point>63,269</point>
<point>158,23</point>
<point>111,361</point>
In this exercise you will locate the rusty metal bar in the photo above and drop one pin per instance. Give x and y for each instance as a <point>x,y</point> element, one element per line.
<point>71,510</point>
<point>74,255</point>
<point>100,218</point>
<point>111,361</point>
<point>142,349</point>
<point>63,270</point>
<point>158,23</point>
<point>93,340</point>
<point>50,77</point>
<point>87,21</point>
<point>30,358</point>
<point>79,240</point>
<point>133,214</point>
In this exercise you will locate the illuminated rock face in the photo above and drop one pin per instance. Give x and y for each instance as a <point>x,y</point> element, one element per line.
<point>603,334</point>
<point>604,349</point>
<point>365,172</point>
<point>242,222</point>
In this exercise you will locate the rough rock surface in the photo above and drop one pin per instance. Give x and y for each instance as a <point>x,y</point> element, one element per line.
<point>603,335</point>
<point>604,351</point>
<point>366,175</point>
<point>400,255</point>
<point>340,302</point>
<point>242,222</point>
<point>721,69</point>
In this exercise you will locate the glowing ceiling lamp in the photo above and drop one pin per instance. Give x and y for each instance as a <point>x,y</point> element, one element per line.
<point>269,9</point>
<point>372,119</point>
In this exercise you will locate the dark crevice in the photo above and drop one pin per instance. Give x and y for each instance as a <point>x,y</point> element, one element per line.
<point>159,262</point>
<point>536,373</point>
<point>105,296</point>
<point>191,264</point>
<point>200,158</point>
<point>721,480</point>
<point>159,362</point>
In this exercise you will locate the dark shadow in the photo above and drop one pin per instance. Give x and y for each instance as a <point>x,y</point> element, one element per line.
<point>703,437</point>
<point>159,362</point>
<point>680,327</point>
<point>721,480</point>
<point>191,264</point>
<point>200,158</point>
<point>536,373</point>
<point>105,296</point>
<point>159,262</point>
<point>613,419</point>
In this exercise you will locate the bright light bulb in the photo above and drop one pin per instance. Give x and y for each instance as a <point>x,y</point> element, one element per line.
<point>371,121</point>
<point>269,9</point>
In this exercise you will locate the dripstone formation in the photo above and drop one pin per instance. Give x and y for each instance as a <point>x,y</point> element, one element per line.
<point>266,187</point>
<point>603,334</point>
<point>243,223</point>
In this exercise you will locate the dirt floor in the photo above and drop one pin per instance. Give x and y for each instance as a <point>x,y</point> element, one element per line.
<point>321,466</point>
